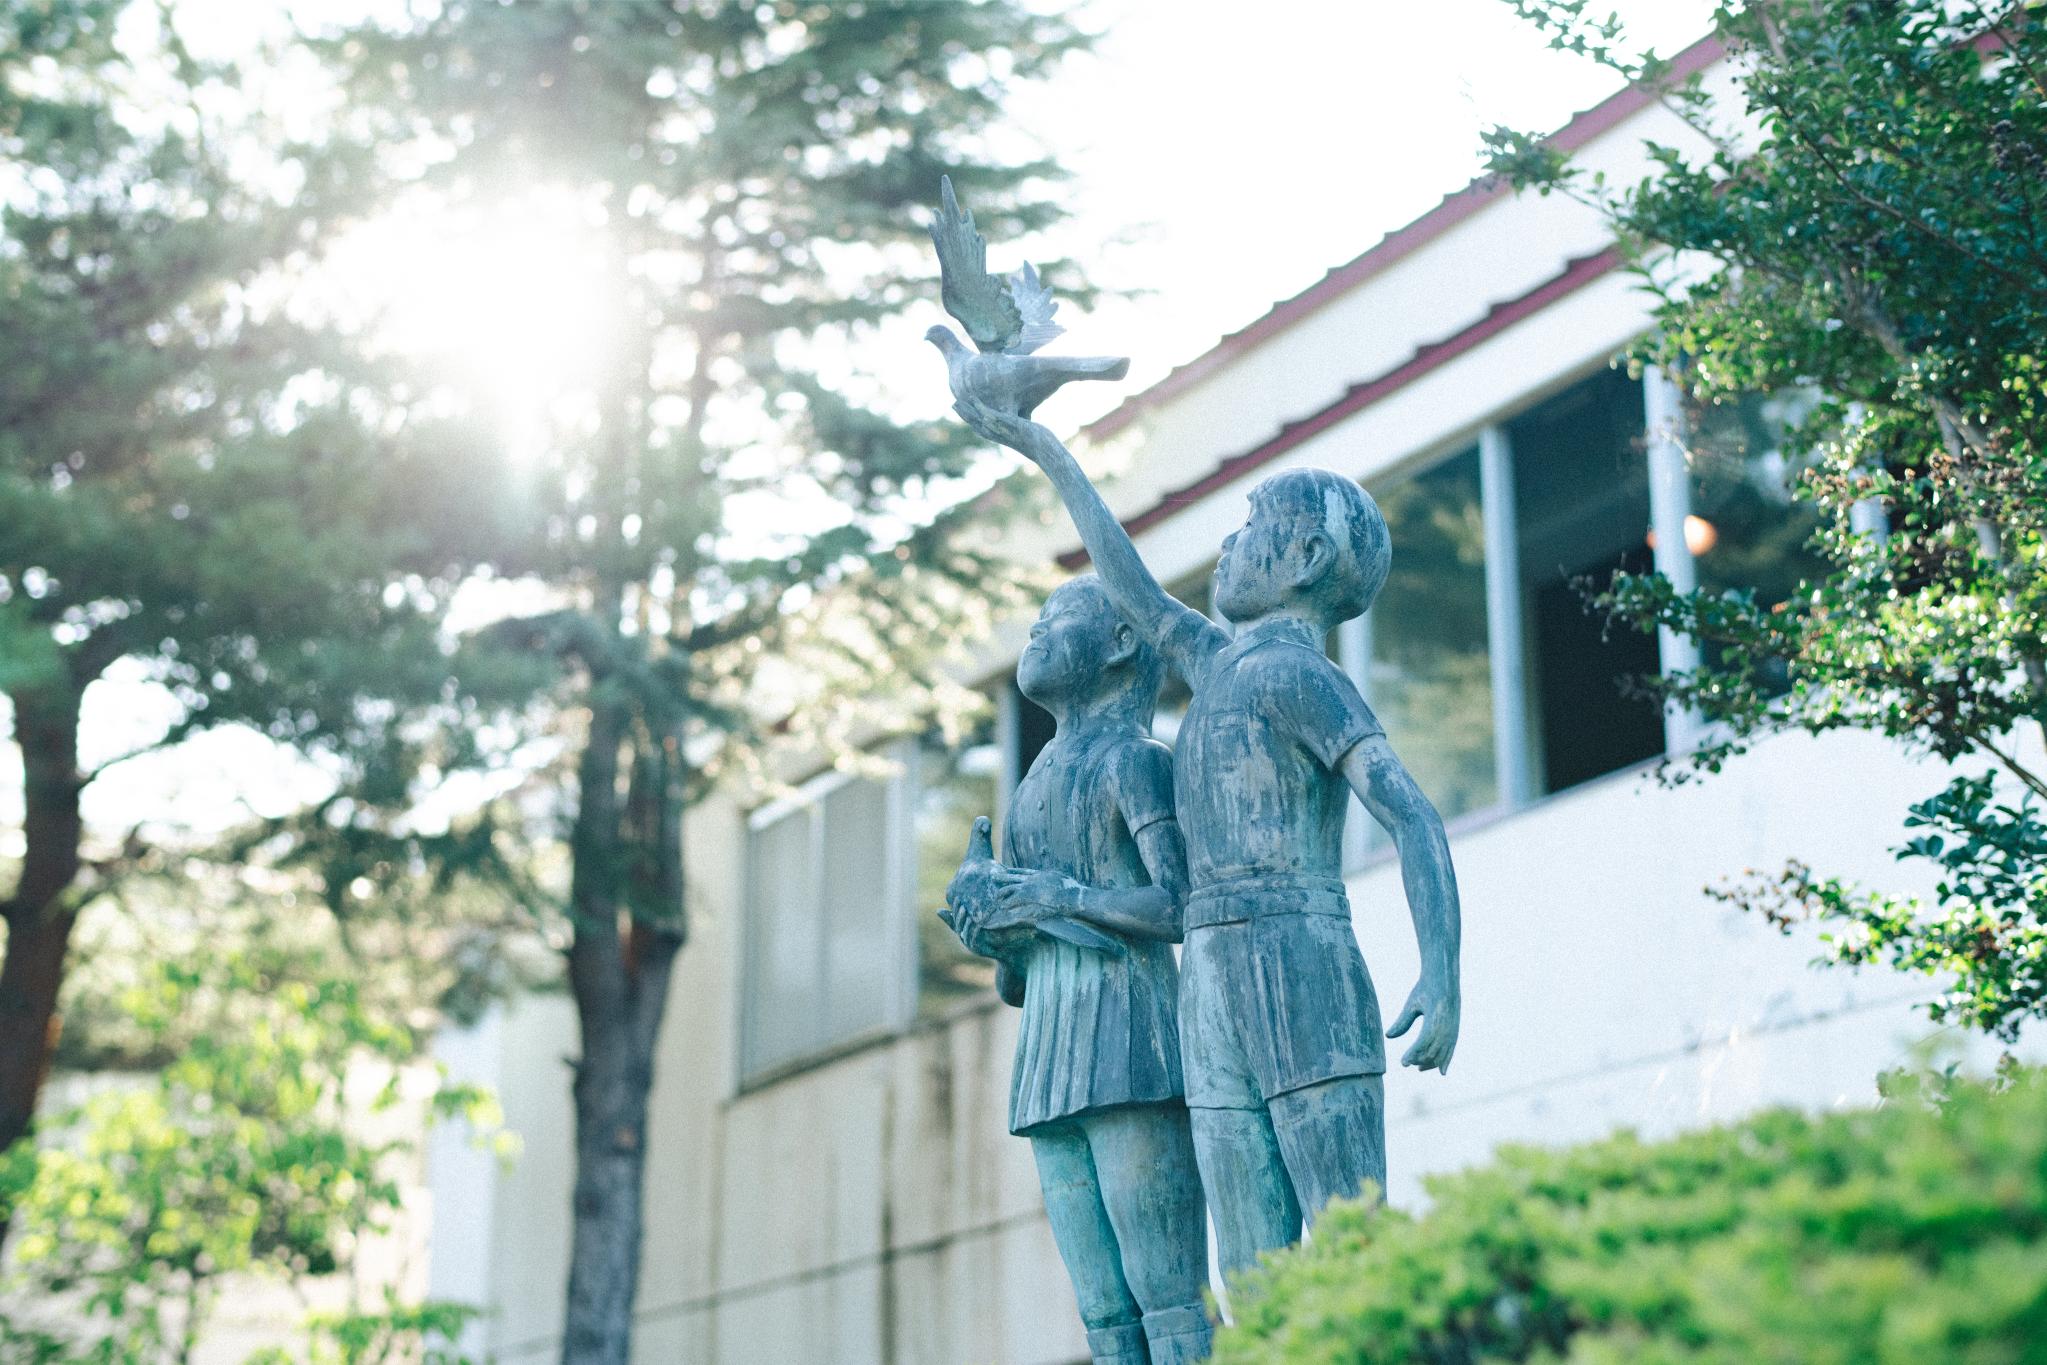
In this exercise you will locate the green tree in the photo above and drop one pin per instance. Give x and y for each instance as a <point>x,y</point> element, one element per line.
<point>246,1155</point>
<point>1877,232</point>
<point>760,174</point>
<point>196,481</point>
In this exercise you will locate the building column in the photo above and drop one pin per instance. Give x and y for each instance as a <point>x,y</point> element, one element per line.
<point>462,1180</point>
<point>1670,506</point>
<point>1516,763</point>
<point>899,876</point>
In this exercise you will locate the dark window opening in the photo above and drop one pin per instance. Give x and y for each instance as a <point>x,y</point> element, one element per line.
<point>1581,494</point>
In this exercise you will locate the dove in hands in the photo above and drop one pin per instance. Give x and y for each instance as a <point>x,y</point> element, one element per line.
<point>970,899</point>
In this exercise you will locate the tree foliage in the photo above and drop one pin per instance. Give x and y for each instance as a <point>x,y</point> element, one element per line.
<point>1907,1233</point>
<point>1867,222</point>
<point>201,482</point>
<point>733,542</point>
<point>249,1155</point>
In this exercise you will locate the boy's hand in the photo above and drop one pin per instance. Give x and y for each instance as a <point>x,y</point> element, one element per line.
<point>1438,1009</point>
<point>1020,434</point>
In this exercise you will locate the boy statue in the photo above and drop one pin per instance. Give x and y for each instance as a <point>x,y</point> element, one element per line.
<point>1080,916</point>
<point>1279,1025</point>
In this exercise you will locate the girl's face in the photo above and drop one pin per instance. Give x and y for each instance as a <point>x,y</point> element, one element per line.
<point>1069,646</point>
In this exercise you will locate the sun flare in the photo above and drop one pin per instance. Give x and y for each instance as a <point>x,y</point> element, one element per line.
<point>514,306</point>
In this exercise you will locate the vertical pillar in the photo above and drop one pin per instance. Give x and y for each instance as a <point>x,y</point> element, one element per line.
<point>463,1179</point>
<point>1670,504</point>
<point>899,875</point>
<point>1516,764</point>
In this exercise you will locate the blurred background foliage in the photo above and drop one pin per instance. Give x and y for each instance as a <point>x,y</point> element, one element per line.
<point>268,1144</point>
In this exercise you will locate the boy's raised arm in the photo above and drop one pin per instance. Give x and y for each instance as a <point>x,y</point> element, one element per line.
<point>1148,607</point>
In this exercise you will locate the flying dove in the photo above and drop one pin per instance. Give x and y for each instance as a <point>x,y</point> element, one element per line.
<point>1008,317</point>
<point>972,891</point>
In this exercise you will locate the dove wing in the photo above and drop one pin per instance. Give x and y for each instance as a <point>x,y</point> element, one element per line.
<point>1035,305</point>
<point>982,302</point>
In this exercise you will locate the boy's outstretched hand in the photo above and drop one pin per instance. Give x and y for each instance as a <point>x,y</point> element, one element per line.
<point>1025,437</point>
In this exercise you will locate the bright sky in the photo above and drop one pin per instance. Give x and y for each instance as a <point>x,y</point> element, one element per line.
<point>1224,154</point>
<point>1255,146</point>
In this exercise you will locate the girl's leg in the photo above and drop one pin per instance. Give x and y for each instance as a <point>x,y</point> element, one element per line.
<point>1144,1158</point>
<point>1087,1243</point>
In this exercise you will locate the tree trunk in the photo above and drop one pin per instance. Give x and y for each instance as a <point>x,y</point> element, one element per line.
<point>30,976</point>
<point>612,1082</point>
<point>40,913</point>
<point>619,969</point>
<point>613,1079</point>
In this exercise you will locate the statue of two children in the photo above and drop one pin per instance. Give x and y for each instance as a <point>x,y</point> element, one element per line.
<point>1252,1073</point>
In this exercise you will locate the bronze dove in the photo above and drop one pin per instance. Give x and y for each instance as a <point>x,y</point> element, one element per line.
<point>1008,318</point>
<point>972,892</point>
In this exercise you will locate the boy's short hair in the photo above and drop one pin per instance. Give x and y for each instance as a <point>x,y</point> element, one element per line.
<point>1327,501</point>
<point>1147,668</point>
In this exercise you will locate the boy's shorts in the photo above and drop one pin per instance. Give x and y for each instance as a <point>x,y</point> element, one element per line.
<point>1274,994</point>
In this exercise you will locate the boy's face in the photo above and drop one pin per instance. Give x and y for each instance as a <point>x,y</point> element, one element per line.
<point>1073,636</point>
<point>1255,575</point>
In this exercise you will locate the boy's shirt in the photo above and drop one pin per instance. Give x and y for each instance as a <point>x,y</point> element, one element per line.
<point>1255,766</point>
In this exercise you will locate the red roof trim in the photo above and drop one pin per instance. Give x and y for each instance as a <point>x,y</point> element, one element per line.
<point>1396,245</point>
<point>1363,394</point>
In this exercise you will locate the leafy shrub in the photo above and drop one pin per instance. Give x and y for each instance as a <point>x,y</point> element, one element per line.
<point>247,1155</point>
<point>1909,1233</point>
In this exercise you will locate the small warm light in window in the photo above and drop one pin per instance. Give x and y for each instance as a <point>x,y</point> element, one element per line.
<point>1701,535</point>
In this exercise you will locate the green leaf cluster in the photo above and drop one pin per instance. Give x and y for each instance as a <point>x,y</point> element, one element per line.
<point>1864,221</point>
<point>1983,932</point>
<point>251,1153</point>
<point>194,473</point>
<point>1908,1233</point>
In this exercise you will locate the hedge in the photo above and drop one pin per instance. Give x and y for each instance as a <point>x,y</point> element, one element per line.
<point>1913,1233</point>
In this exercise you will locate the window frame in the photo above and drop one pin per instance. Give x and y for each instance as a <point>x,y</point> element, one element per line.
<point>1517,768</point>
<point>900,951</point>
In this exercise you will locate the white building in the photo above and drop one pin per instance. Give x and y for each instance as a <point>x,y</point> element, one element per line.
<point>830,1179</point>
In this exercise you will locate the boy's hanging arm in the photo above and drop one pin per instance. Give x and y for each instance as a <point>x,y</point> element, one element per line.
<point>1383,783</point>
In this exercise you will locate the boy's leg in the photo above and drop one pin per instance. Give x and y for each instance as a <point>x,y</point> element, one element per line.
<point>1242,1171</point>
<point>1144,1156</point>
<point>1245,1179</point>
<point>1087,1243</point>
<point>1333,1137</point>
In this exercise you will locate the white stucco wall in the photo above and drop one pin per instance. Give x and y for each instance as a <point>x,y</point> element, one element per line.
<point>1604,989</point>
